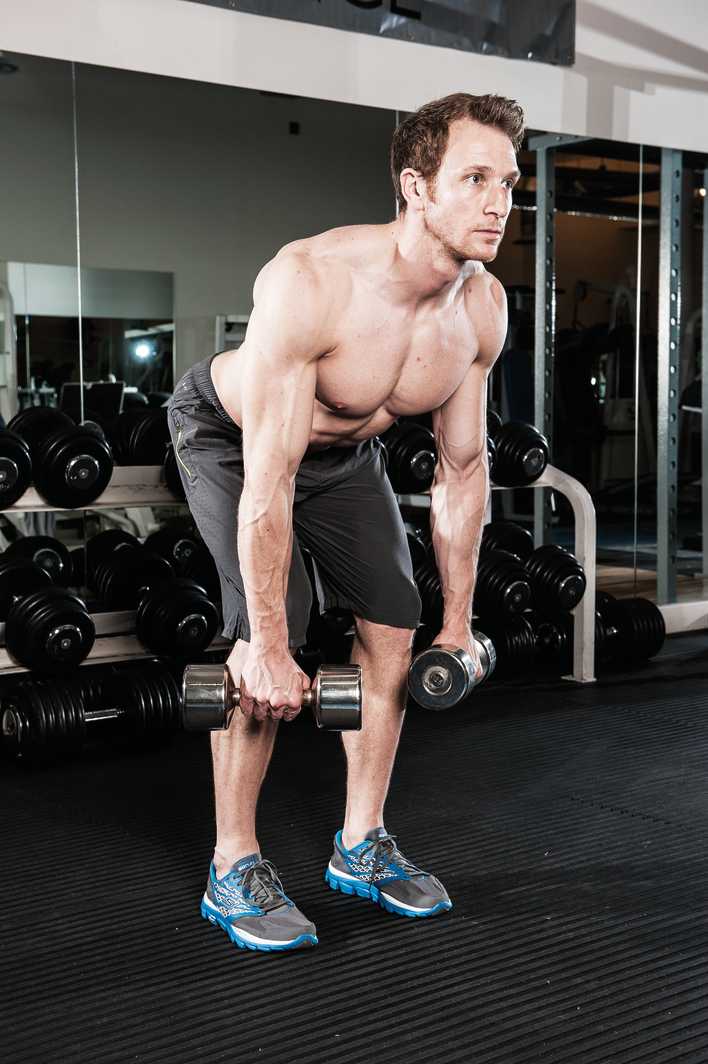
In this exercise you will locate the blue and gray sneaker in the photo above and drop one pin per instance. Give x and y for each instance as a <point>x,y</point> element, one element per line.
<point>250,905</point>
<point>377,869</point>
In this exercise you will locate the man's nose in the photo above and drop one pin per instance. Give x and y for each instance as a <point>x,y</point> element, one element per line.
<point>498,204</point>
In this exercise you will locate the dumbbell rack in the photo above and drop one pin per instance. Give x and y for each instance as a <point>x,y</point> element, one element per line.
<point>145,486</point>
<point>129,486</point>
<point>585,551</point>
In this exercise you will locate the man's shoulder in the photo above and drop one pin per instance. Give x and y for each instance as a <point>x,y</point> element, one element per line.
<point>478,281</point>
<point>484,293</point>
<point>485,302</point>
<point>325,256</point>
<point>323,265</point>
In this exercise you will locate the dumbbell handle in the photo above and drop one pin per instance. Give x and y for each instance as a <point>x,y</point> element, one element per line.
<point>106,713</point>
<point>308,698</point>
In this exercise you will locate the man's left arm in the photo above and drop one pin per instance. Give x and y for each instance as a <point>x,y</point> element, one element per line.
<point>460,490</point>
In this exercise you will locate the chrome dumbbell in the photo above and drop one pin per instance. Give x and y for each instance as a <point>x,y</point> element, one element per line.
<point>210,697</point>
<point>443,675</point>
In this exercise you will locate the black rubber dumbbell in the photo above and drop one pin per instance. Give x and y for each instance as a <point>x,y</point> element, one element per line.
<point>491,456</point>
<point>19,577</point>
<point>15,468</point>
<point>201,567</point>
<point>140,436</point>
<point>557,579</point>
<point>176,544</point>
<point>49,630</point>
<point>494,422</point>
<point>100,548</point>
<point>508,535</point>
<point>49,553</point>
<point>521,454</point>
<point>78,567</point>
<point>502,587</point>
<point>554,641</point>
<point>514,643</point>
<point>71,464</point>
<point>427,581</point>
<point>44,720</point>
<point>412,455</point>
<point>176,617</point>
<point>122,578</point>
<point>636,627</point>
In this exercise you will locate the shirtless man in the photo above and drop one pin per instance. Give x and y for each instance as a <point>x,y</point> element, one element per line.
<point>277,448</point>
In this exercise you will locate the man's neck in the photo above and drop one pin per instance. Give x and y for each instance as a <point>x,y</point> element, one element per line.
<point>420,268</point>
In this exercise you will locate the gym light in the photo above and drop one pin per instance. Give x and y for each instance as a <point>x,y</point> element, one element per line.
<point>143,350</point>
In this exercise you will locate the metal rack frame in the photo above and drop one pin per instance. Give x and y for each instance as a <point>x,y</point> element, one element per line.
<point>585,551</point>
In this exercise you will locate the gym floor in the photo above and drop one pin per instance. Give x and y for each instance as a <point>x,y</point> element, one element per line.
<point>567,822</point>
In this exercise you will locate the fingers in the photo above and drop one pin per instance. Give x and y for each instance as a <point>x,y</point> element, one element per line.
<point>260,708</point>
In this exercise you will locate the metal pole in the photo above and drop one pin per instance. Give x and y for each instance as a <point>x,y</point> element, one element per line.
<point>704,379</point>
<point>545,318</point>
<point>669,333</point>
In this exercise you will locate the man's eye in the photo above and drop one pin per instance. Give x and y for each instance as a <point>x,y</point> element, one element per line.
<point>475,175</point>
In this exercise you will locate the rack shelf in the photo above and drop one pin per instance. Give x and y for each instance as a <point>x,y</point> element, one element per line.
<point>115,641</point>
<point>129,486</point>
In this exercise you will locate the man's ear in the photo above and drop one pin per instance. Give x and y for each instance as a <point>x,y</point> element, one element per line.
<point>412,186</point>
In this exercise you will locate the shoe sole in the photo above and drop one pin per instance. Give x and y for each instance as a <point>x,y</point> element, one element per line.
<point>218,920</point>
<point>372,892</point>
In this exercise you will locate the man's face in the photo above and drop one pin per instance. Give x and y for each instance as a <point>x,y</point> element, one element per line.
<point>471,192</point>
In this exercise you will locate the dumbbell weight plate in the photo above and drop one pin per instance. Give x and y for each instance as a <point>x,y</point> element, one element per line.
<point>557,579</point>
<point>176,617</point>
<point>19,577</point>
<point>509,536</point>
<point>100,548</point>
<point>78,567</point>
<point>175,544</point>
<point>122,579</point>
<point>200,566</point>
<point>73,468</point>
<point>494,422</point>
<point>15,468</point>
<point>49,630</point>
<point>35,423</point>
<point>48,553</point>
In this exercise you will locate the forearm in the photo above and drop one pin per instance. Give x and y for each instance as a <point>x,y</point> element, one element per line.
<point>265,540</point>
<point>457,513</point>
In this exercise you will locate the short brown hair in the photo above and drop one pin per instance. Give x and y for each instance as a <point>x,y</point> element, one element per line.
<point>420,140</point>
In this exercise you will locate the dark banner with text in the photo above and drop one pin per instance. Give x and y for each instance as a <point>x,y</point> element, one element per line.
<point>541,30</point>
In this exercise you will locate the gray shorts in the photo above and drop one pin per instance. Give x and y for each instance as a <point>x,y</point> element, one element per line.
<point>344,512</point>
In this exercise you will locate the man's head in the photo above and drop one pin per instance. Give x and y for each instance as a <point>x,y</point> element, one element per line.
<point>453,163</point>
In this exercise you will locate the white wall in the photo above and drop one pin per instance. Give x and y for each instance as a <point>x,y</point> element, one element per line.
<point>640,75</point>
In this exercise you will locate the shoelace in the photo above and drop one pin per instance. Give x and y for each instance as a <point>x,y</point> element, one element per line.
<point>385,850</point>
<point>262,883</point>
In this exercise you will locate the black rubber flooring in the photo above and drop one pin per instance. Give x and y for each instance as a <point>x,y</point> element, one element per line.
<point>569,824</point>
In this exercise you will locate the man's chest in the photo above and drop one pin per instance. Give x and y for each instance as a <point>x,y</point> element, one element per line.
<point>406,366</point>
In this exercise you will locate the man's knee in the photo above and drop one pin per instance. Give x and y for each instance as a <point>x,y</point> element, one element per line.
<point>384,638</point>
